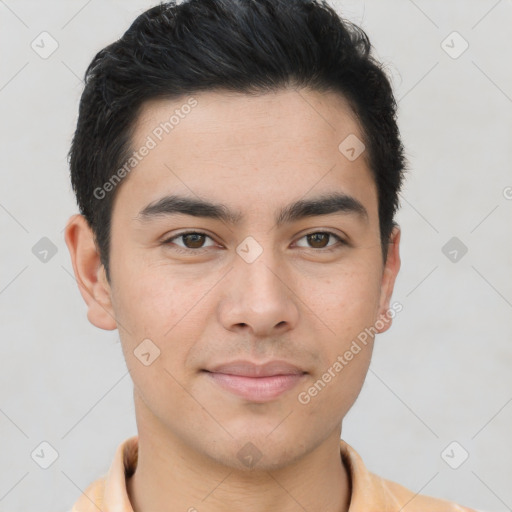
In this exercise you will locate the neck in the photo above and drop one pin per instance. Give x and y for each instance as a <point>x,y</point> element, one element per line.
<point>169,477</point>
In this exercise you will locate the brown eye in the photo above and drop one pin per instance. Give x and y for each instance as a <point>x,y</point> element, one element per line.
<point>191,241</point>
<point>320,240</point>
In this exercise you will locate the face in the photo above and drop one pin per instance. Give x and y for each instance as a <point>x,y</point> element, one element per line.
<point>237,323</point>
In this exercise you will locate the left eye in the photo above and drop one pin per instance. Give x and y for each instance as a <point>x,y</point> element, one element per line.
<point>193,240</point>
<point>320,237</point>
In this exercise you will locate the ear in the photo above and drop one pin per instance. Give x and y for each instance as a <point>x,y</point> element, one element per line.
<point>90,272</point>
<point>389,274</point>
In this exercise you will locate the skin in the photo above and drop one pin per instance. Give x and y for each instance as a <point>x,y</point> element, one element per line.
<point>295,302</point>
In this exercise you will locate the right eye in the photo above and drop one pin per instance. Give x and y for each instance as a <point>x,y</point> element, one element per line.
<point>193,241</point>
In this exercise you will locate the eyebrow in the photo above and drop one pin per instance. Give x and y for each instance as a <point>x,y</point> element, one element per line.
<point>321,205</point>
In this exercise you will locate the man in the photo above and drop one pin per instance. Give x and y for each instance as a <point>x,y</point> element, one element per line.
<point>237,166</point>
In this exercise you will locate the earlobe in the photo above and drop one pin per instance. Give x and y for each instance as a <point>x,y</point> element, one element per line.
<point>89,272</point>
<point>388,279</point>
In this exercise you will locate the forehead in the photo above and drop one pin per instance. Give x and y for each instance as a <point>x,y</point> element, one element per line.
<point>288,114</point>
<point>256,149</point>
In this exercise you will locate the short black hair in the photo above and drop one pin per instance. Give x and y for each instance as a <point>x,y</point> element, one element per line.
<point>247,46</point>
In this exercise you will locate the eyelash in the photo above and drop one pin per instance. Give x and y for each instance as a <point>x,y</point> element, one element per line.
<point>182,250</point>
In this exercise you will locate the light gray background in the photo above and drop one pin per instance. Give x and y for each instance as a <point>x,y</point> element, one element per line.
<point>443,371</point>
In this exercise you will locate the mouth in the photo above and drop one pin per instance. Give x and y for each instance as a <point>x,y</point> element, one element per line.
<point>256,383</point>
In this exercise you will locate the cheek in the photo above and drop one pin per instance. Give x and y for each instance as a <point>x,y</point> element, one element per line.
<point>161,321</point>
<point>347,300</point>
<point>167,309</point>
<point>347,303</point>
<point>155,301</point>
<point>329,395</point>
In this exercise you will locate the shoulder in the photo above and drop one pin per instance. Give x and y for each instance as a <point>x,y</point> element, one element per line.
<point>91,500</point>
<point>409,501</point>
<point>371,492</point>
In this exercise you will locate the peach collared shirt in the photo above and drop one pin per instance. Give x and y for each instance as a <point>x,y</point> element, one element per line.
<point>370,493</point>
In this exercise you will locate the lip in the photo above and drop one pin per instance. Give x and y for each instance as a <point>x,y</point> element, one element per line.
<point>256,383</point>
<point>249,369</point>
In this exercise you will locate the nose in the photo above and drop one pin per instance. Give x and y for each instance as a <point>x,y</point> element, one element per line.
<point>259,297</point>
